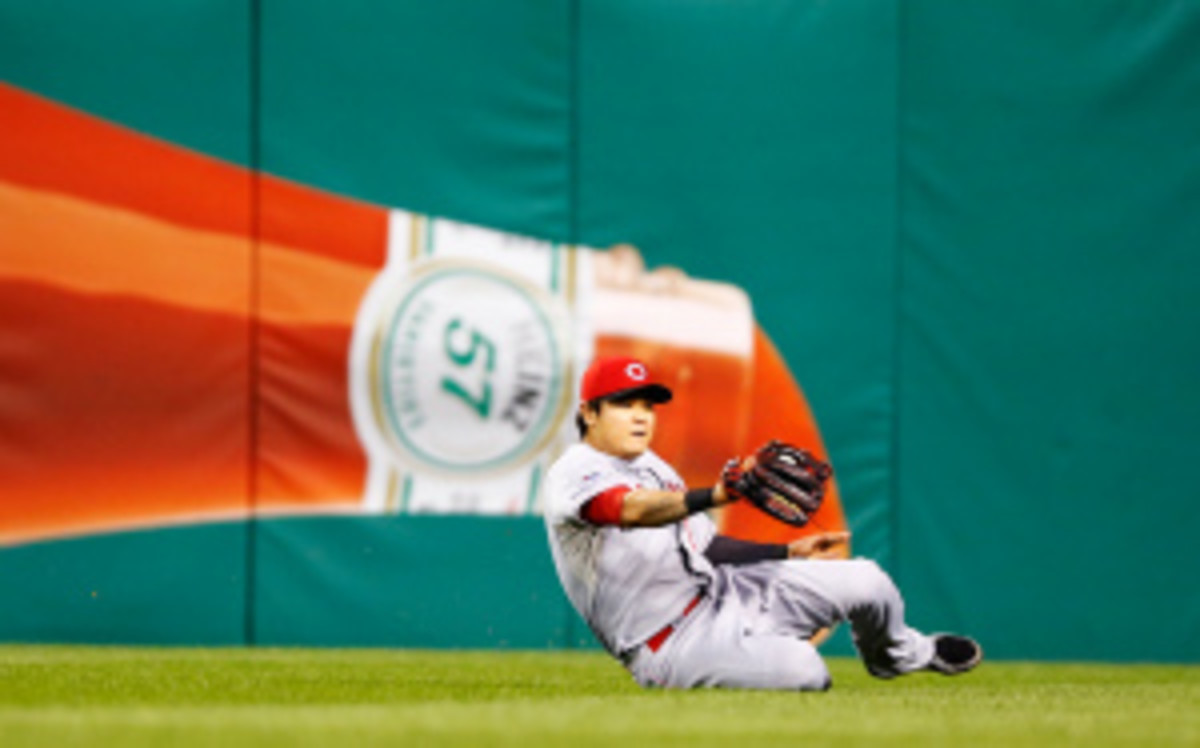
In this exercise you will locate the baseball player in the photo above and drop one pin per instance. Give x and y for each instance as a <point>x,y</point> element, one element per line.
<point>683,607</point>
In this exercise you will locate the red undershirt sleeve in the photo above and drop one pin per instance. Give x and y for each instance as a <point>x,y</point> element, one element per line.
<point>605,508</point>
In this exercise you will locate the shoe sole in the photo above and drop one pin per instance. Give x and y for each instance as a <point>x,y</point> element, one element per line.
<point>945,668</point>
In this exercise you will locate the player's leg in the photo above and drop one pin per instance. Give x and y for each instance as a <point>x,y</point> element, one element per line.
<point>759,661</point>
<point>803,596</point>
<point>717,647</point>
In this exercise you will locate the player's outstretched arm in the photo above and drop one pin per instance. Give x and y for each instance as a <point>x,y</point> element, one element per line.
<point>726,550</point>
<point>650,508</point>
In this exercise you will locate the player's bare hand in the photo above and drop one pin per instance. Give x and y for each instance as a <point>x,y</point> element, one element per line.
<point>821,545</point>
<point>720,494</point>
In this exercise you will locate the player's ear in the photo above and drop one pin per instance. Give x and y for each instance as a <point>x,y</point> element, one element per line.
<point>590,413</point>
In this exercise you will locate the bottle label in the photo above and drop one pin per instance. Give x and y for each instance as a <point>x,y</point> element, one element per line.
<point>464,362</point>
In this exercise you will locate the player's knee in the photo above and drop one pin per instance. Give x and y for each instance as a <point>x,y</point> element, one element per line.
<point>878,578</point>
<point>871,582</point>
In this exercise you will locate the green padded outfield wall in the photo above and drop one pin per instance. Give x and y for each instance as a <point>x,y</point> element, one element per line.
<point>1048,338</point>
<point>972,229</point>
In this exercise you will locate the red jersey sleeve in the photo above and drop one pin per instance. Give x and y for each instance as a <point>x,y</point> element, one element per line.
<point>605,508</point>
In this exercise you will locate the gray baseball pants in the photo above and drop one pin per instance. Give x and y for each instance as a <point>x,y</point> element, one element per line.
<point>752,629</point>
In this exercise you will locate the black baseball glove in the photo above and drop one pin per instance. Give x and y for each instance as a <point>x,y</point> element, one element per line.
<point>786,482</point>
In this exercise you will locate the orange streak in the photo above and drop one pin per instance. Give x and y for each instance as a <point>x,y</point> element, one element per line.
<point>91,248</point>
<point>48,146</point>
<point>780,411</point>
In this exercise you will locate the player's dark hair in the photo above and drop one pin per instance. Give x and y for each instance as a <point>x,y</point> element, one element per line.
<point>580,424</point>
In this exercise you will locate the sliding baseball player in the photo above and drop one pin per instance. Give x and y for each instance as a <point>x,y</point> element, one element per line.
<point>683,607</point>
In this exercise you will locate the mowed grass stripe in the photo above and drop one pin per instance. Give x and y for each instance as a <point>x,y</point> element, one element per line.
<point>134,697</point>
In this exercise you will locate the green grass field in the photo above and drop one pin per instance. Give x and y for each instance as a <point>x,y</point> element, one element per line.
<point>53,696</point>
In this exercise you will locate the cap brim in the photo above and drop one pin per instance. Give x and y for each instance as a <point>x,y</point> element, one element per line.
<point>655,393</point>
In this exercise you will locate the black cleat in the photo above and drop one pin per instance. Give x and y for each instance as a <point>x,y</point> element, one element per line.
<point>953,655</point>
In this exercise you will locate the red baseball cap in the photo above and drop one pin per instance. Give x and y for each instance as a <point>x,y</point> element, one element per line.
<point>621,376</point>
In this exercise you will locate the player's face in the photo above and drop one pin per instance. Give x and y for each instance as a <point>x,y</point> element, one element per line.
<point>621,427</point>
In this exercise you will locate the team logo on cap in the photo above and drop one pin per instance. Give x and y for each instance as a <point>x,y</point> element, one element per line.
<point>636,372</point>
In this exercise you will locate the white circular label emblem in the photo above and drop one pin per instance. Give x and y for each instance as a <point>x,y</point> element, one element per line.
<point>467,374</point>
<point>636,372</point>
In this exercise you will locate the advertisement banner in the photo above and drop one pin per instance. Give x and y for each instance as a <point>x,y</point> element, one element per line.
<point>347,358</point>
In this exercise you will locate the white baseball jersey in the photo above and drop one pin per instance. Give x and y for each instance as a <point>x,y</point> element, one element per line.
<point>751,628</point>
<point>627,583</point>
